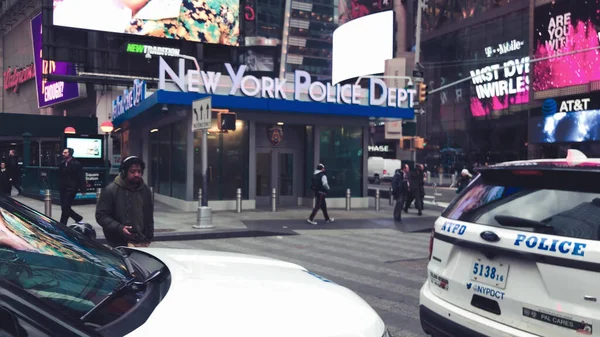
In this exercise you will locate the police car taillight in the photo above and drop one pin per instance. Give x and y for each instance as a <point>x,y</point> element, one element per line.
<point>431,243</point>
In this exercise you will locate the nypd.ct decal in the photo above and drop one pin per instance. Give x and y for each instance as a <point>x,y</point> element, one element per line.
<point>454,228</point>
<point>485,291</point>
<point>566,247</point>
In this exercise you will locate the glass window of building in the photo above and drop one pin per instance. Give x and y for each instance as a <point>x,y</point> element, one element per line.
<point>341,151</point>
<point>228,156</point>
<point>168,159</point>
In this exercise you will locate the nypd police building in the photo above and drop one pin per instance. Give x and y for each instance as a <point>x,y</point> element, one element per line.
<point>265,133</point>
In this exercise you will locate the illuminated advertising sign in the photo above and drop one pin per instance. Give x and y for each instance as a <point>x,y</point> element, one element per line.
<point>561,27</point>
<point>197,21</point>
<point>498,85</point>
<point>50,92</point>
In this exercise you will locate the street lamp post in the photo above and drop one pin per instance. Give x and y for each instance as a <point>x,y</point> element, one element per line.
<point>106,127</point>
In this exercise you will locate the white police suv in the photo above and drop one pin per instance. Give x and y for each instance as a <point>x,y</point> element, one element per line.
<point>517,253</point>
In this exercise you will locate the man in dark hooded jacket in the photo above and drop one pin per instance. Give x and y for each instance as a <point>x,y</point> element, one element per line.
<point>125,209</point>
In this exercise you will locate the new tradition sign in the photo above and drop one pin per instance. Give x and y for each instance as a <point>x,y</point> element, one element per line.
<point>16,76</point>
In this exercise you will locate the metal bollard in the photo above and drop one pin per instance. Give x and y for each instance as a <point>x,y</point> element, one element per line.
<point>453,183</point>
<point>238,200</point>
<point>204,215</point>
<point>428,177</point>
<point>48,203</point>
<point>98,193</point>
<point>377,200</point>
<point>391,197</point>
<point>274,200</point>
<point>348,199</point>
<point>441,179</point>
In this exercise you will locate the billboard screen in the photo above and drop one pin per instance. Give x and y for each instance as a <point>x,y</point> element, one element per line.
<point>562,127</point>
<point>50,92</point>
<point>349,61</point>
<point>502,79</point>
<point>354,9</point>
<point>212,21</point>
<point>561,27</point>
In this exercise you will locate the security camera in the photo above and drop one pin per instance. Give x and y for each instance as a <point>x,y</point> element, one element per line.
<point>148,56</point>
<point>164,109</point>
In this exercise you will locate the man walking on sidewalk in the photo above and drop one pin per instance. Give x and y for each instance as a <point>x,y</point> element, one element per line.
<point>70,181</point>
<point>320,186</point>
<point>14,171</point>
<point>125,209</point>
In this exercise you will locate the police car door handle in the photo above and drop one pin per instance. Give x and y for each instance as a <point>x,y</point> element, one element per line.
<point>590,298</point>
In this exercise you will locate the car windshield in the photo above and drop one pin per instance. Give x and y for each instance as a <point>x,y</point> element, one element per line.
<point>54,263</point>
<point>563,203</point>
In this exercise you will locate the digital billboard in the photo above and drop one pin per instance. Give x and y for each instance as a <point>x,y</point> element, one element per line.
<point>354,9</point>
<point>210,21</point>
<point>561,27</point>
<point>503,80</point>
<point>50,92</point>
<point>566,120</point>
<point>348,61</point>
<point>494,56</point>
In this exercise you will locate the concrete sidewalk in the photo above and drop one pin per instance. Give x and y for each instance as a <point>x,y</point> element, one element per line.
<point>173,224</point>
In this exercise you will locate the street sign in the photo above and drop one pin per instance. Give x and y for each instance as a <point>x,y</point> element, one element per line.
<point>417,73</point>
<point>202,114</point>
<point>420,111</point>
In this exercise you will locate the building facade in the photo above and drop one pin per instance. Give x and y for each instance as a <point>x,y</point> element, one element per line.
<point>277,143</point>
<point>495,115</point>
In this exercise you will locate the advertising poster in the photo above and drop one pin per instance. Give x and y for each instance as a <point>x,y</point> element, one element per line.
<point>354,9</point>
<point>566,120</point>
<point>561,27</point>
<point>50,92</point>
<point>209,21</point>
<point>495,54</point>
<point>503,78</point>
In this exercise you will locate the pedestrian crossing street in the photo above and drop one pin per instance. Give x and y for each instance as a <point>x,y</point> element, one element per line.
<point>384,266</point>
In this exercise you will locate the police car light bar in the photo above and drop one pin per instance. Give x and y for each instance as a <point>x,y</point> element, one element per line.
<point>575,155</point>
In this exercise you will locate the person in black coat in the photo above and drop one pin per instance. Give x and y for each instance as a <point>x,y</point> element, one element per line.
<point>5,186</point>
<point>71,179</point>
<point>415,180</point>
<point>400,190</point>
<point>14,171</point>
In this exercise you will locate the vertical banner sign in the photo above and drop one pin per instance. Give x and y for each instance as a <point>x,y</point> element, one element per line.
<point>50,92</point>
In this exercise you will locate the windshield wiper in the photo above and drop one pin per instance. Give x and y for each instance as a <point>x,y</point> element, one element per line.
<point>125,257</point>
<point>129,284</point>
<point>513,221</point>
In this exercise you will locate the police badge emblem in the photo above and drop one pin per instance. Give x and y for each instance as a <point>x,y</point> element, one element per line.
<point>275,134</point>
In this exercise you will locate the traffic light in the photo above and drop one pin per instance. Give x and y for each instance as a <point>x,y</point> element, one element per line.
<point>226,121</point>
<point>419,142</point>
<point>422,92</point>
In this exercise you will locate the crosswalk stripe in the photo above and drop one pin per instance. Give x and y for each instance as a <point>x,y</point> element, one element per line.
<point>348,246</point>
<point>418,239</point>
<point>394,307</point>
<point>397,332</point>
<point>410,249</point>
<point>359,263</point>
<point>283,254</point>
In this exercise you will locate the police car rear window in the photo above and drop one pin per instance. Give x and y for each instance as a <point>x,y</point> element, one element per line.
<point>558,203</point>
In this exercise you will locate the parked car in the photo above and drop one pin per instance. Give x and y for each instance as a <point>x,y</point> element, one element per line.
<point>517,253</point>
<point>57,281</point>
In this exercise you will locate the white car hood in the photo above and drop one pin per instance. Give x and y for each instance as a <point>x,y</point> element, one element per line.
<point>231,295</point>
